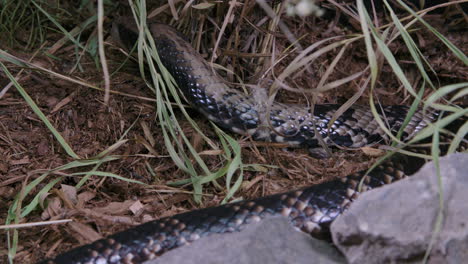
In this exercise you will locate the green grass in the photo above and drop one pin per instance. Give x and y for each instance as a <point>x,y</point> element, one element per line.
<point>176,142</point>
<point>14,17</point>
<point>21,209</point>
<point>42,18</point>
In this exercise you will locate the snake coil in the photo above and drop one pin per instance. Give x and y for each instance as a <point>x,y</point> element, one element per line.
<point>311,209</point>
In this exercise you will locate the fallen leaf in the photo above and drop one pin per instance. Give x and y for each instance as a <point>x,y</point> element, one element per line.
<point>84,231</point>
<point>203,6</point>
<point>373,152</point>
<point>136,207</point>
<point>70,193</point>
<point>84,197</point>
<point>115,208</point>
<point>109,218</point>
<point>54,207</point>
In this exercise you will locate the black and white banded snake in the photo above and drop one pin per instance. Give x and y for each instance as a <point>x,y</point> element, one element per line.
<point>311,209</point>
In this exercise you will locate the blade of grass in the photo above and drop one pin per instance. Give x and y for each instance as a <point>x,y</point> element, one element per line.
<point>39,113</point>
<point>102,54</point>
<point>458,138</point>
<point>416,54</point>
<point>58,25</point>
<point>456,51</point>
<point>435,152</point>
<point>371,56</point>
<point>108,174</point>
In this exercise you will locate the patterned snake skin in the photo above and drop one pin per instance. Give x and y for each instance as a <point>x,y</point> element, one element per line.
<point>311,209</point>
<point>243,114</point>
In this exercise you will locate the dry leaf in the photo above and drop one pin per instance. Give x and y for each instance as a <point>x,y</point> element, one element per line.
<point>203,5</point>
<point>84,197</point>
<point>70,193</point>
<point>136,207</point>
<point>113,219</point>
<point>84,231</point>
<point>373,152</point>
<point>115,208</point>
<point>54,208</point>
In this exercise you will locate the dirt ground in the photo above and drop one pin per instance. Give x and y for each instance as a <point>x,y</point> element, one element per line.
<point>105,205</point>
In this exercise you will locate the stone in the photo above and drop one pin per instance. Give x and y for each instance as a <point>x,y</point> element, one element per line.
<point>395,223</point>
<point>269,241</point>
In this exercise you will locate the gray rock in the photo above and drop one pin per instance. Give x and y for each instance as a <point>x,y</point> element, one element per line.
<point>395,223</point>
<point>270,241</point>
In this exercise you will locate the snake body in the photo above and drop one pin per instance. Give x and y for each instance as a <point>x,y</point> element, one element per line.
<point>311,209</point>
<point>234,110</point>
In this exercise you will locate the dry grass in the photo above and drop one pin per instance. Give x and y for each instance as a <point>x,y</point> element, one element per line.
<point>71,153</point>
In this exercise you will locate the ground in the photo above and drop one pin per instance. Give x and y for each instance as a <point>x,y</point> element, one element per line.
<point>105,205</point>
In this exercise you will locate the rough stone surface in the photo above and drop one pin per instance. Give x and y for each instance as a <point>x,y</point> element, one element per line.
<point>271,241</point>
<point>394,224</point>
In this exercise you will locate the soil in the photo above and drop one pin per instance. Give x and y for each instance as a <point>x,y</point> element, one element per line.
<point>105,205</point>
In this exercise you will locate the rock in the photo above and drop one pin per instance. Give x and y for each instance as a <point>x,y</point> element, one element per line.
<point>394,224</point>
<point>270,241</point>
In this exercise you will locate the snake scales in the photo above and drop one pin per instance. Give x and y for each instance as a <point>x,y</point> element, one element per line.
<point>311,209</point>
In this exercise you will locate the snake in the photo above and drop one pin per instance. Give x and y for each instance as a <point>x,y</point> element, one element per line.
<point>310,210</point>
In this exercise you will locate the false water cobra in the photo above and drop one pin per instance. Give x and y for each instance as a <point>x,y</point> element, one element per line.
<point>311,209</point>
